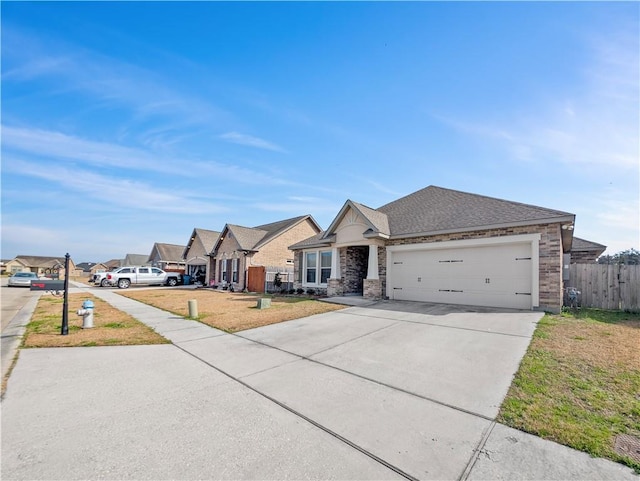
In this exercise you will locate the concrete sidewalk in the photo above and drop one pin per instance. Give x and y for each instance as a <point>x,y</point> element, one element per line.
<point>265,404</point>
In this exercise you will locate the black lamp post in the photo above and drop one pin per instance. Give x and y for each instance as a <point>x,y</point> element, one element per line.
<point>65,315</point>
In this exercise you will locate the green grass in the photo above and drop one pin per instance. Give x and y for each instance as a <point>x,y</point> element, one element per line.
<point>578,384</point>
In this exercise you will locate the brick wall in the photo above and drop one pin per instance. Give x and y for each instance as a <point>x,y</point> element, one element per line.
<point>355,269</point>
<point>276,252</point>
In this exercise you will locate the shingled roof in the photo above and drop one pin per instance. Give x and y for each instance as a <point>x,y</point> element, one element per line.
<point>252,238</point>
<point>207,237</point>
<point>168,252</point>
<point>247,237</point>
<point>436,210</point>
<point>136,260</point>
<point>40,261</point>
<point>585,245</point>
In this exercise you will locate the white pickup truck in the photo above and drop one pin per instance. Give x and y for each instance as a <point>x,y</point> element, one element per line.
<point>125,276</point>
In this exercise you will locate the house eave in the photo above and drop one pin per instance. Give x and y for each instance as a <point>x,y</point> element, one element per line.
<point>324,243</point>
<point>376,235</point>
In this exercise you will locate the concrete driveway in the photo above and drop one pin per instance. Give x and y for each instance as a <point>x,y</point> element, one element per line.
<point>391,391</point>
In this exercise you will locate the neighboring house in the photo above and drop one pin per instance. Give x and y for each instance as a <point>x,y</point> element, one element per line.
<point>136,260</point>
<point>239,249</point>
<point>43,266</point>
<point>441,245</point>
<point>114,264</point>
<point>99,267</point>
<point>84,268</point>
<point>3,266</point>
<point>585,252</point>
<point>196,254</point>
<point>167,257</point>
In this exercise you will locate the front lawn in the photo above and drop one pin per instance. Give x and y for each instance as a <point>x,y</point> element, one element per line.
<point>230,311</point>
<point>112,327</point>
<point>579,383</point>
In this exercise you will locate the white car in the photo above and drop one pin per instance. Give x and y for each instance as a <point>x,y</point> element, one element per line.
<point>22,279</point>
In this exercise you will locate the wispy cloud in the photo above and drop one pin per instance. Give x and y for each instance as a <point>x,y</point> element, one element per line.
<point>383,188</point>
<point>596,126</point>
<point>37,145</point>
<point>130,194</point>
<point>48,144</point>
<point>105,82</point>
<point>251,141</point>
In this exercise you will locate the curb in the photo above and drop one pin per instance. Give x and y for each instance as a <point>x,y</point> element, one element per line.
<point>14,332</point>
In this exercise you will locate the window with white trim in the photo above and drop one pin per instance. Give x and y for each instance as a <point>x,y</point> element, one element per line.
<point>223,270</point>
<point>317,268</point>
<point>234,270</point>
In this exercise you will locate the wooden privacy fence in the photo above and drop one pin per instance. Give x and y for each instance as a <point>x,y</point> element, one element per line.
<point>607,286</point>
<point>256,278</point>
<point>260,278</point>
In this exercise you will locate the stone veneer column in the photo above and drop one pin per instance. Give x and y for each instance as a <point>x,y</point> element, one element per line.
<point>371,286</point>
<point>334,283</point>
<point>334,287</point>
<point>372,289</point>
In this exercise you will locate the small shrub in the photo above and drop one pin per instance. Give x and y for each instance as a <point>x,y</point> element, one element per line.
<point>277,281</point>
<point>311,291</point>
<point>292,291</point>
<point>299,291</point>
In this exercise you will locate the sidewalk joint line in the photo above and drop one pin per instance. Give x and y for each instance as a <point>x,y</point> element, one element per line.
<point>307,419</point>
<point>375,381</point>
<point>448,327</point>
<point>476,453</point>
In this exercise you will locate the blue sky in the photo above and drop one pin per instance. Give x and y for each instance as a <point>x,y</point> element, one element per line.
<point>125,124</point>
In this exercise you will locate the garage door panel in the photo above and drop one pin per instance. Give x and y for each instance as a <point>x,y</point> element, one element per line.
<point>497,276</point>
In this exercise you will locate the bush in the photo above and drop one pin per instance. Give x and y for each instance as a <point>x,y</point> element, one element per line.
<point>311,291</point>
<point>292,291</point>
<point>299,291</point>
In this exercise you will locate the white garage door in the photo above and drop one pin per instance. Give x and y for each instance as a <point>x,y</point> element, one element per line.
<point>495,275</point>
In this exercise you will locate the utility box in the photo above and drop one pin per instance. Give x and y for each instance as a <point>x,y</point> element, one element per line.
<point>47,285</point>
<point>264,303</point>
<point>566,262</point>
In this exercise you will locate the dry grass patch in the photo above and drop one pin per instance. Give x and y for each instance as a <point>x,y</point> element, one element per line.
<point>112,327</point>
<point>231,311</point>
<point>579,383</point>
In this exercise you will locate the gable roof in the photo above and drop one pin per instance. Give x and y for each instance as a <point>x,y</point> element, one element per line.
<point>252,238</point>
<point>41,261</point>
<point>246,237</point>
<point>113,263</point>
<point>377,221</point>
<point>207,237</point>
<point>436,210</point>
<point>167,252</point>
<point>136,260</point>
